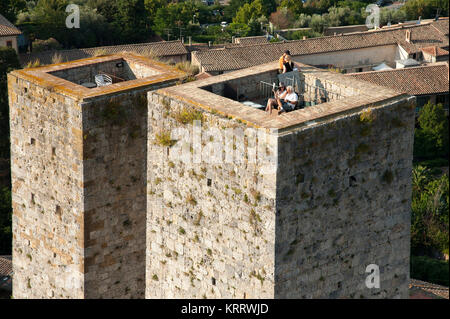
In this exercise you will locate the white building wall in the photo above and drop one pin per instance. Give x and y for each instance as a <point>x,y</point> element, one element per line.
<point>350,59</point>
<point>4,41</point>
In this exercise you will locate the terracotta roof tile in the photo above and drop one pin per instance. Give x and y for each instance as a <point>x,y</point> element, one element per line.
<point>5,266</point>
<point>431,290</point>
<point>7,28</point>
<point>159,49</point>
<point>420,80</point>
<point>252,40</point>
<point>243,56</point>
<point>435,51</point>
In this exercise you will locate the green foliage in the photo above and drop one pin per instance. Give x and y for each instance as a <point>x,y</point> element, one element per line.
<point>430,270</point>
<point>367,116</point>
<point>298,35</point>
<point>283,18</point>
<point>102,22</point>
<point>295,6</point>
<point>188,116</point>
<point>249,11</point>
<point>11,8</point>
<point>44,45</point>
<point>413,9</point>
<point>431,138</point>
<point>430,212</point>
<point>163,139</point>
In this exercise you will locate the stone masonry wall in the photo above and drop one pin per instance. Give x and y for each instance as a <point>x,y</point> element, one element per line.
<point>115,168</point>
<point>79,192</point>
<point>47,187</point>
<point>210,226</point>
<point>343,202</point>
<point>114,133</point>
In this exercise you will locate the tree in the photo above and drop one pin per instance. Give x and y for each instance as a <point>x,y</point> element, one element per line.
<point>233,7</point>
<point>425,8</point>
<point>282,18</point>
<point>131,17</point>
<point>295,6</point>
<point>174,16</point>
<point>431,138</point>
<point>11,8</point>
<point>430,216</point>
<point>318,23</point>
<point>420,177</point>
<point>249,11</point>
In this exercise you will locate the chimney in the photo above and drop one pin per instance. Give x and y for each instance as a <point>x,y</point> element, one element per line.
<point>408,36</point>
<point>335,34</point>
<point>209,44</point>
<point>233,39</point>
<point>190,40</point>
<point>182,40</point>
<point>304,37</point>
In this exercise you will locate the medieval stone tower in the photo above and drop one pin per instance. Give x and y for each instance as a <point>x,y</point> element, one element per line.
<point>78,162</point>
<point>191,191</point>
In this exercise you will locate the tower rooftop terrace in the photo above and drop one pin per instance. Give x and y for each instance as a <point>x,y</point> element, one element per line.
<point>128,71</point>
<point>342,95</point>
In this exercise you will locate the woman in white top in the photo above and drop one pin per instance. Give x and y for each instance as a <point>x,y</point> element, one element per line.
<point>280,93</point>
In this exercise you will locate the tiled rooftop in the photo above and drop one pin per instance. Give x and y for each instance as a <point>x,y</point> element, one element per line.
<point>435,51</point>
<point>252,40</point>
<point>5,266</point>
<point>7,28</point>
<point>44,76</point>
<point>157,49</point>
<point>430,79</point>
<point>238,57</point>
<point>193,94</point>
<point>424,290</point>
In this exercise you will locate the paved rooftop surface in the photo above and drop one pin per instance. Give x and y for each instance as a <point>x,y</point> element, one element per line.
<point>192,94</point>
<point>41,76</point>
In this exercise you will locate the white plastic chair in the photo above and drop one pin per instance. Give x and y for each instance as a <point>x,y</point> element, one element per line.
<point>103,80</point>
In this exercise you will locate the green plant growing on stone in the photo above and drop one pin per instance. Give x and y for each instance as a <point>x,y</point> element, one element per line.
<point>181,231</point>
<point>209,252</point>
<point>163,139</point>
<point>236,190</point>
<point>258,276</point>
<point>187,116</point>
<point>155,277</point>
<point>367,116</point>
<point>254,218</point>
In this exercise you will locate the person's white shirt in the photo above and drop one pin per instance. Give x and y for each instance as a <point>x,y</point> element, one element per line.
<point>293,97</point>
